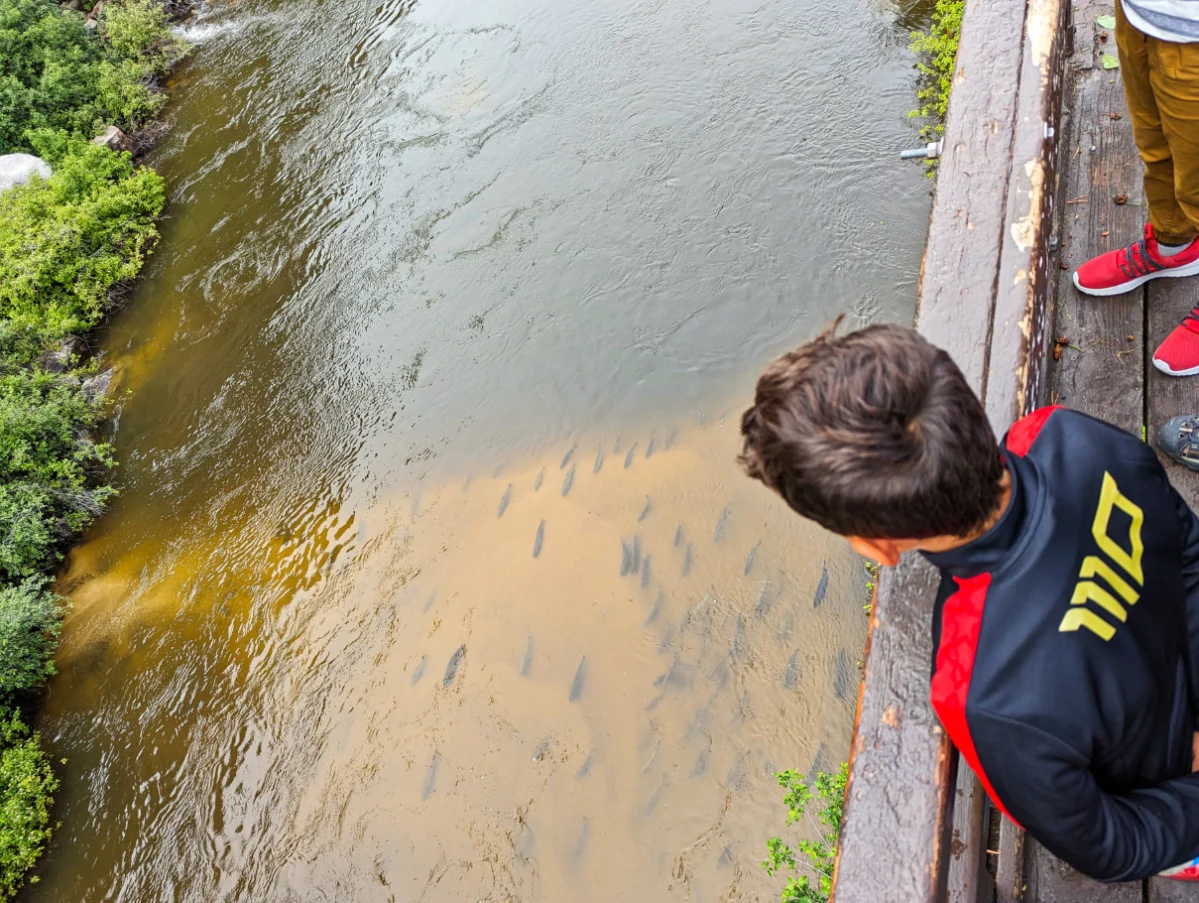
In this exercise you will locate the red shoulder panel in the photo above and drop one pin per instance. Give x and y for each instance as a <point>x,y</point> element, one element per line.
<point>961,621</point>
<point>1024,431</point>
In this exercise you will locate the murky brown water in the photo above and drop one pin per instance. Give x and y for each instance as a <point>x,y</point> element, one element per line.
<point>433,577</point>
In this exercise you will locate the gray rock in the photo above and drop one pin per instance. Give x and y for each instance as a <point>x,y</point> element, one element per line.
<point>17,169</point>
<point>114,139</point>
<point>58,359</point>
<point>96,387</point>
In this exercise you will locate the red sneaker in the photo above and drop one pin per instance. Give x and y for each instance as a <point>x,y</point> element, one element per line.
<point>1124,269</point>
<point>1178,355</point>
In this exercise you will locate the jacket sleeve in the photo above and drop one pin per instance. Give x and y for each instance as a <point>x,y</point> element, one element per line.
<point>1189,531</point>
<point>1047,787</point>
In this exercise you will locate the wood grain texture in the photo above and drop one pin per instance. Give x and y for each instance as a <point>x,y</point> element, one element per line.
<point>968,880</point>
<point>1163,890</point>
<point>1049,880</point>
<point>1011,883</point>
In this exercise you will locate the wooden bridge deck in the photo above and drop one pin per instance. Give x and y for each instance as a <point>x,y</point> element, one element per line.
<point>1039,172</point>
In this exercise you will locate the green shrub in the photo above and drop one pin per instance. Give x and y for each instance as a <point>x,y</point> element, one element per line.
<point>56,74</point>
<point>66,241</point>
<point>27,788</point>
<point>30,619</point>
<point>48,471</point>
<point>937,52</point>
<point>820,855</point>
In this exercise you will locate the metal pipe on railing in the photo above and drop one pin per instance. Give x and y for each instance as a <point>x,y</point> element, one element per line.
<point>929,152</point>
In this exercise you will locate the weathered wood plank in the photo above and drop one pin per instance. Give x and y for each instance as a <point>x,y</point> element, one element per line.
<point>1010,880</point>
<point>968,879</point>
<point>1050,880</point>
<point>1101,371</point>
<point>1169,301</point>
<point>1163,890</point>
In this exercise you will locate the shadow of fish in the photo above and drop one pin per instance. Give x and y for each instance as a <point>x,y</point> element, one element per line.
<point>499,470</point>
<point>737,646</point>
<point>843,675</point>
<point>821,587</point>
<point>655,610</point>
<point>655,797</point>
<point>699,724</point>
<point>599,460</point>
<point>678,535</point>
<point>617,445</point>
<point>749,559</point>
<point>735,780</point>
<point>451,667</point>
<point>726,858</point>
<point>527,662</point>
<point>569,481</point>
<point>721,523</point>
<point>580,846</point>
<point>765,601</point>
<point>687,560</point>
<point>791,678</point>
<point>419,671</point>
<point>429,602</point>
<point>635,560</point>
<point>628,459</point>
<point>524,843</point>
<point>539,539</point>
<point>504,501</point>
<point>466,485</point>
<point>576,686</point>
<point>670,437</point>
<point>788,626</point>
<point>538,479</point>
<point>566,457</point>
<point>644,511</point>
<point>585,768</point>
<point>430,777</point>
<point>701,764</point>
<point>678,676</point>
<point>645,571</point>
<point>649,449</point>
<point>626,558</point>
<point>819,763</point>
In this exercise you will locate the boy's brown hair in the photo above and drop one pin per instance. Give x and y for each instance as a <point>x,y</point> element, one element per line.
<point>874,434</point>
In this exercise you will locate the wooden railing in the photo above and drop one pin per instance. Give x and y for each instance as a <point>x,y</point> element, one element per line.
<point>916,827</point>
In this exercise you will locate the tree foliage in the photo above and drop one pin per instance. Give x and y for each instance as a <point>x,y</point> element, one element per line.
<point>937,52</point>
<point>809,863</point>
<point>66,241</point>
<point>27,788</point>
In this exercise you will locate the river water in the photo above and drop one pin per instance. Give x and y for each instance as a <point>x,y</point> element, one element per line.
<point>432,576</point>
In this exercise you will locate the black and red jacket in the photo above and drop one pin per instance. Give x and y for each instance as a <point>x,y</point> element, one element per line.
<point>1064,648</point>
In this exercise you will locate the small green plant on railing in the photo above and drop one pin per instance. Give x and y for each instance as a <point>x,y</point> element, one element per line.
<point>871,583</point>
<point>936,50</point>
<point>810,862</point>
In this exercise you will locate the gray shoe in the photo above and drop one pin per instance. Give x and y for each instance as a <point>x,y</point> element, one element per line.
<point>1179,439</point>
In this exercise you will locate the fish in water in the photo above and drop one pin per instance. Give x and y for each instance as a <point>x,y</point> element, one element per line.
<point>576,686</point>
<point>701,764</point>
<point>430,777</point>
<point>580,846</point>
<point>645,572</point>
<point>569,481</point>
<point>718,533</point>
<point>735,779</point>
<point>585,768</point>
<point>788,626</point>
<point>419,671</point>
<point>749,559</point>
<point>765,601</point>
<point>599,460</point>
<point>678,535</point>
<point>843,676</point>
<point>645,511</point>
<point>451,667</point>
<point>687,560</point>
<point>628,459</point>
<point>626,558</point>
<point>738,644</point>
<point>504,501</point>
<point>821,587</point>
<point>539,479</point>
<point>616,446</point>
<point>652,802</point>
<point>429,602</point>
<point>649,449</point>
<point>635,561</point>
<point>726,858</point>
<point>818,763</point>
<point>791,678</point>
<point>527,662</point>
<point>699,723</point>
<point>566,457</point>
<point>539,539</point>
<point>655,610</point>
<point>670,437</point>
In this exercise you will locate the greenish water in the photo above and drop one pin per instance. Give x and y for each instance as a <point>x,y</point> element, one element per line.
<point>443,349</point>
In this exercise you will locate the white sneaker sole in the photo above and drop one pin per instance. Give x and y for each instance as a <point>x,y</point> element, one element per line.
<point>1165,368</point>
<point>1190,269</point>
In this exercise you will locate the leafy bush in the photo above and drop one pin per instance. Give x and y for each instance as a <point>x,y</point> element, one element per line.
<point>27,788</point>
<point>937,52</point>
<point>66,241</point>
<point>30,619</point>
<point>56,74</point>
<point>47,469</point>
<point>820,855</point>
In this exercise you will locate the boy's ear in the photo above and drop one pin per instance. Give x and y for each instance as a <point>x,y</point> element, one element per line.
<point>884,551</point>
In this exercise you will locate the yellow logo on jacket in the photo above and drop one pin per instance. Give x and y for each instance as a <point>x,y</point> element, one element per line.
<point>1097,603</point>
